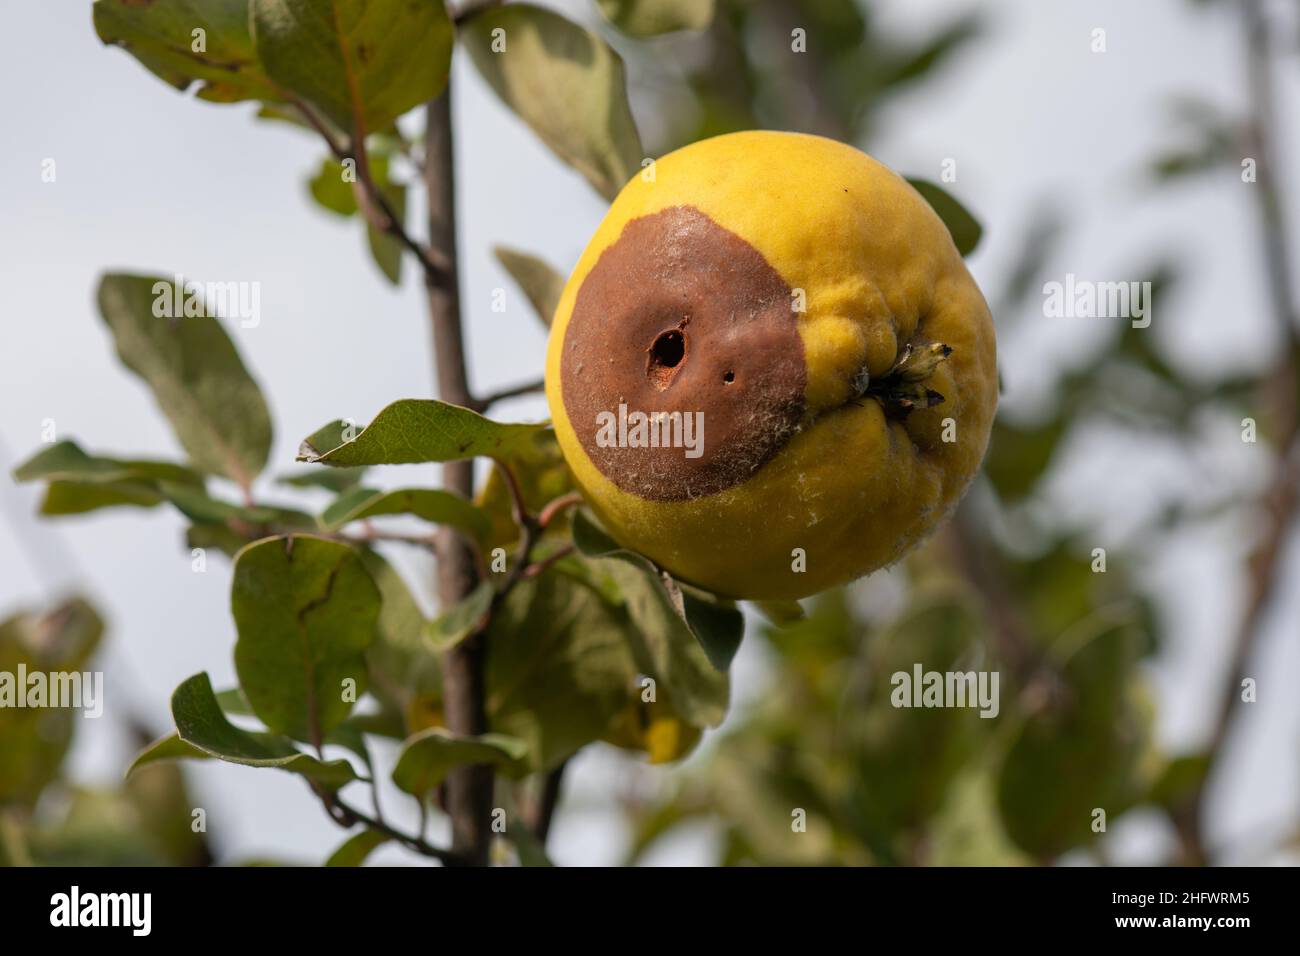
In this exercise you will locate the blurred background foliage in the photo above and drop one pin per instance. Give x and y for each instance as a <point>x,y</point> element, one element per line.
<point>1007,584</point>
<point>820,767</point>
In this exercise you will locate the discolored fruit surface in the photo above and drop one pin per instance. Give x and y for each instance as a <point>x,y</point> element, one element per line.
<point>681,316</point>
<point>805,270</point>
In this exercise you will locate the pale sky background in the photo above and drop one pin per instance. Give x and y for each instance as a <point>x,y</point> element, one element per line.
<point>150,181</point>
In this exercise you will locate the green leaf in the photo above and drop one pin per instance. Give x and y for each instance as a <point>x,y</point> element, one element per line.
<point>542,284</point>
<point>717,628</point>
<point>967,830</point>
<point>363,63</point>
<point>413,431</point>
<point>197,377</point>
<point>781,612</point>
<point>65,461</point>
<point>170,747</point>
<point>306,610</point>
<point>201,724</point>
<point>162,814</point>
<point>79,497</point>
<point>430,755</point>
<point>905,758</point>
<point>914,62</point>
<point>1180,779</point>
<point>60,639</point>
<point>232,700</point>
<point>432,505</point>
<point>215,537</point>
<point>1019,456</point>
<point>162,35</point>
<point>542,475</point>
<point>560,669</point>
<point>965,228</point>
<point>669,650</point>
<point>330,190</point>
<point>461,619</point>
<point>35,740</point>
<point>1080,752</point>
<point>79,482</point>
<point>337,480</point>
<point>200,507</point>
<point>403,665</point>
<point>354,850</point>
<point>648,18</point>
<point>565,83</point>
<point>385,250</point>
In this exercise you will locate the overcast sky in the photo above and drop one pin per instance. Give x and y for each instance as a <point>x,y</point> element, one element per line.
<point>150,181</point>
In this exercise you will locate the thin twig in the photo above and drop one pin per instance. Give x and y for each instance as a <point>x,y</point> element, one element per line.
<point>376,209</point>
<point>529,532</point>
<point>348,816</point>
<point>538,568</point>
<point>557,507</point>
<point>528,388</point>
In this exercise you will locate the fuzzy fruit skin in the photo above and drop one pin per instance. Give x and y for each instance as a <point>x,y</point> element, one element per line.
<point>853,488</point>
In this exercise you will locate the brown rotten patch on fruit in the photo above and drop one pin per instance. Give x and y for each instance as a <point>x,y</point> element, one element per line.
<point>681,316</point>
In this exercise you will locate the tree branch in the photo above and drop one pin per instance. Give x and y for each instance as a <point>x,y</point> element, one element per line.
<point>376,209</point>
<point>348,816</point>
<point>468,789</point>
<point>1281,500</point>
<point>528,388</point>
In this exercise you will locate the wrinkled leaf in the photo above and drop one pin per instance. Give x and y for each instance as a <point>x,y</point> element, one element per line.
<point>306,611</point>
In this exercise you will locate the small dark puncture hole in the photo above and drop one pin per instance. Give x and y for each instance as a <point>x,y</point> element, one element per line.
<point>729,377</point>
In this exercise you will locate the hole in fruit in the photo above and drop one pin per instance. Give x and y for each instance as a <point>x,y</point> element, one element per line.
<point>669,349</point>
<point>667,355</point>
<point>729,377</point>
